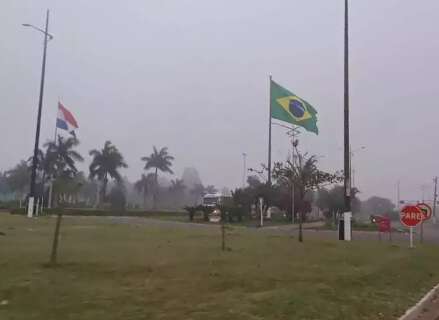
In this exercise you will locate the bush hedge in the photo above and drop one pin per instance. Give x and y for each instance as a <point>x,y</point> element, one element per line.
<point>9,204</point>
<point>102,213</point>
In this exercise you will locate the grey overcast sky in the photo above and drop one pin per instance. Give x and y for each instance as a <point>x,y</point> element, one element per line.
<point>192,75</point>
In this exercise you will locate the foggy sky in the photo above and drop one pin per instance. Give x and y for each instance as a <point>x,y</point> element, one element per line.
<point>193,76</point>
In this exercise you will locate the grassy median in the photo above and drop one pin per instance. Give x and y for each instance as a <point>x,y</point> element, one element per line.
<point>120,271</point>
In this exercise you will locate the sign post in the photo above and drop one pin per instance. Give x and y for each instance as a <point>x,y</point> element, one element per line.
<point>384,225</point>
<point>426,211</point>
<point>411,237</point>
<point>411,216</point>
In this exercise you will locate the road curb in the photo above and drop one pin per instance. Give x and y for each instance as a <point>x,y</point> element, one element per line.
<point>418,308</point>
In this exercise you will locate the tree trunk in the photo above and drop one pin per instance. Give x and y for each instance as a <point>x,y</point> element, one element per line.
<point>300,213</point>
<point>104,188</point>
<point>98,192</point>
<point>49,201</point>
<point>154,198</point>
<point>54,253</point>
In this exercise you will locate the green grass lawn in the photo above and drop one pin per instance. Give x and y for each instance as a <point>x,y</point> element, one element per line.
<point>110,271</point>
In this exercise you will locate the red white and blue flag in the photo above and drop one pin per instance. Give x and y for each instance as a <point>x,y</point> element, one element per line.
<point>65,119</point>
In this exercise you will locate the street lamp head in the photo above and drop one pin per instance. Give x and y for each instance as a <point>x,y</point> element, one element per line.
<point>38,29</point>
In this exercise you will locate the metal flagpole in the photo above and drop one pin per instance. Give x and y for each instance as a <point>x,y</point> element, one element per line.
<point>293,156</point>
<point>347,186</point>
<point>269,137</point>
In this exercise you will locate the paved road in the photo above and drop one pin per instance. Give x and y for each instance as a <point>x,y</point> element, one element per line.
<point>431,231</point>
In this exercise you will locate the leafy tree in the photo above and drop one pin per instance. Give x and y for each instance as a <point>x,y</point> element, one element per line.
<point>305,176</point>
<point>18,179</point>
<point>4,188</point>
<point>332,201</point>
<point>106,163</point>
<point>117,197</point>
<point>144,185</point>
<point>253,181</point>
<point>159,160</point>
<point>378,206</point>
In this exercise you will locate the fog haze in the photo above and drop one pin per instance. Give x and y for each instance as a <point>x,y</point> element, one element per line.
<point>193,76</point>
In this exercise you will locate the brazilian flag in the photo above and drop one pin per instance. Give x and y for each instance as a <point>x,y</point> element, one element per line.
<point>288,107</point>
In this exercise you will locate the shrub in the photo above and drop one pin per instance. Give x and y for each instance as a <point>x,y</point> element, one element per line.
<point>100,213</point>
<point>191,211</point>
<point>117,198</point>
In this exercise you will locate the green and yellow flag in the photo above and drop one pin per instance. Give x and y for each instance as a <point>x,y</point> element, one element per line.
<point>288,107</point>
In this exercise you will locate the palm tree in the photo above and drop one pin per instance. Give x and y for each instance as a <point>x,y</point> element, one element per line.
<point>158,160</point>
<point>106,162</point>
<point>59,162</point>
<point>144,185</point>
<point>60,155</point>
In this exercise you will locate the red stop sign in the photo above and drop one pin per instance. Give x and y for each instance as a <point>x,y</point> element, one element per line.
<point>411,216</point>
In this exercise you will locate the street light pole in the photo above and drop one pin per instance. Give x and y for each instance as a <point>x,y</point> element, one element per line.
<point>30,210</point>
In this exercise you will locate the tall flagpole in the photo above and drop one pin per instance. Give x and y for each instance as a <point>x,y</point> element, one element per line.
<point>269,137</point>
<point>347,186</point>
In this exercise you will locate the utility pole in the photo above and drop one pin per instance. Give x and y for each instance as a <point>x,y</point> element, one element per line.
<point>434,199</point>
<point>47,37</point>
